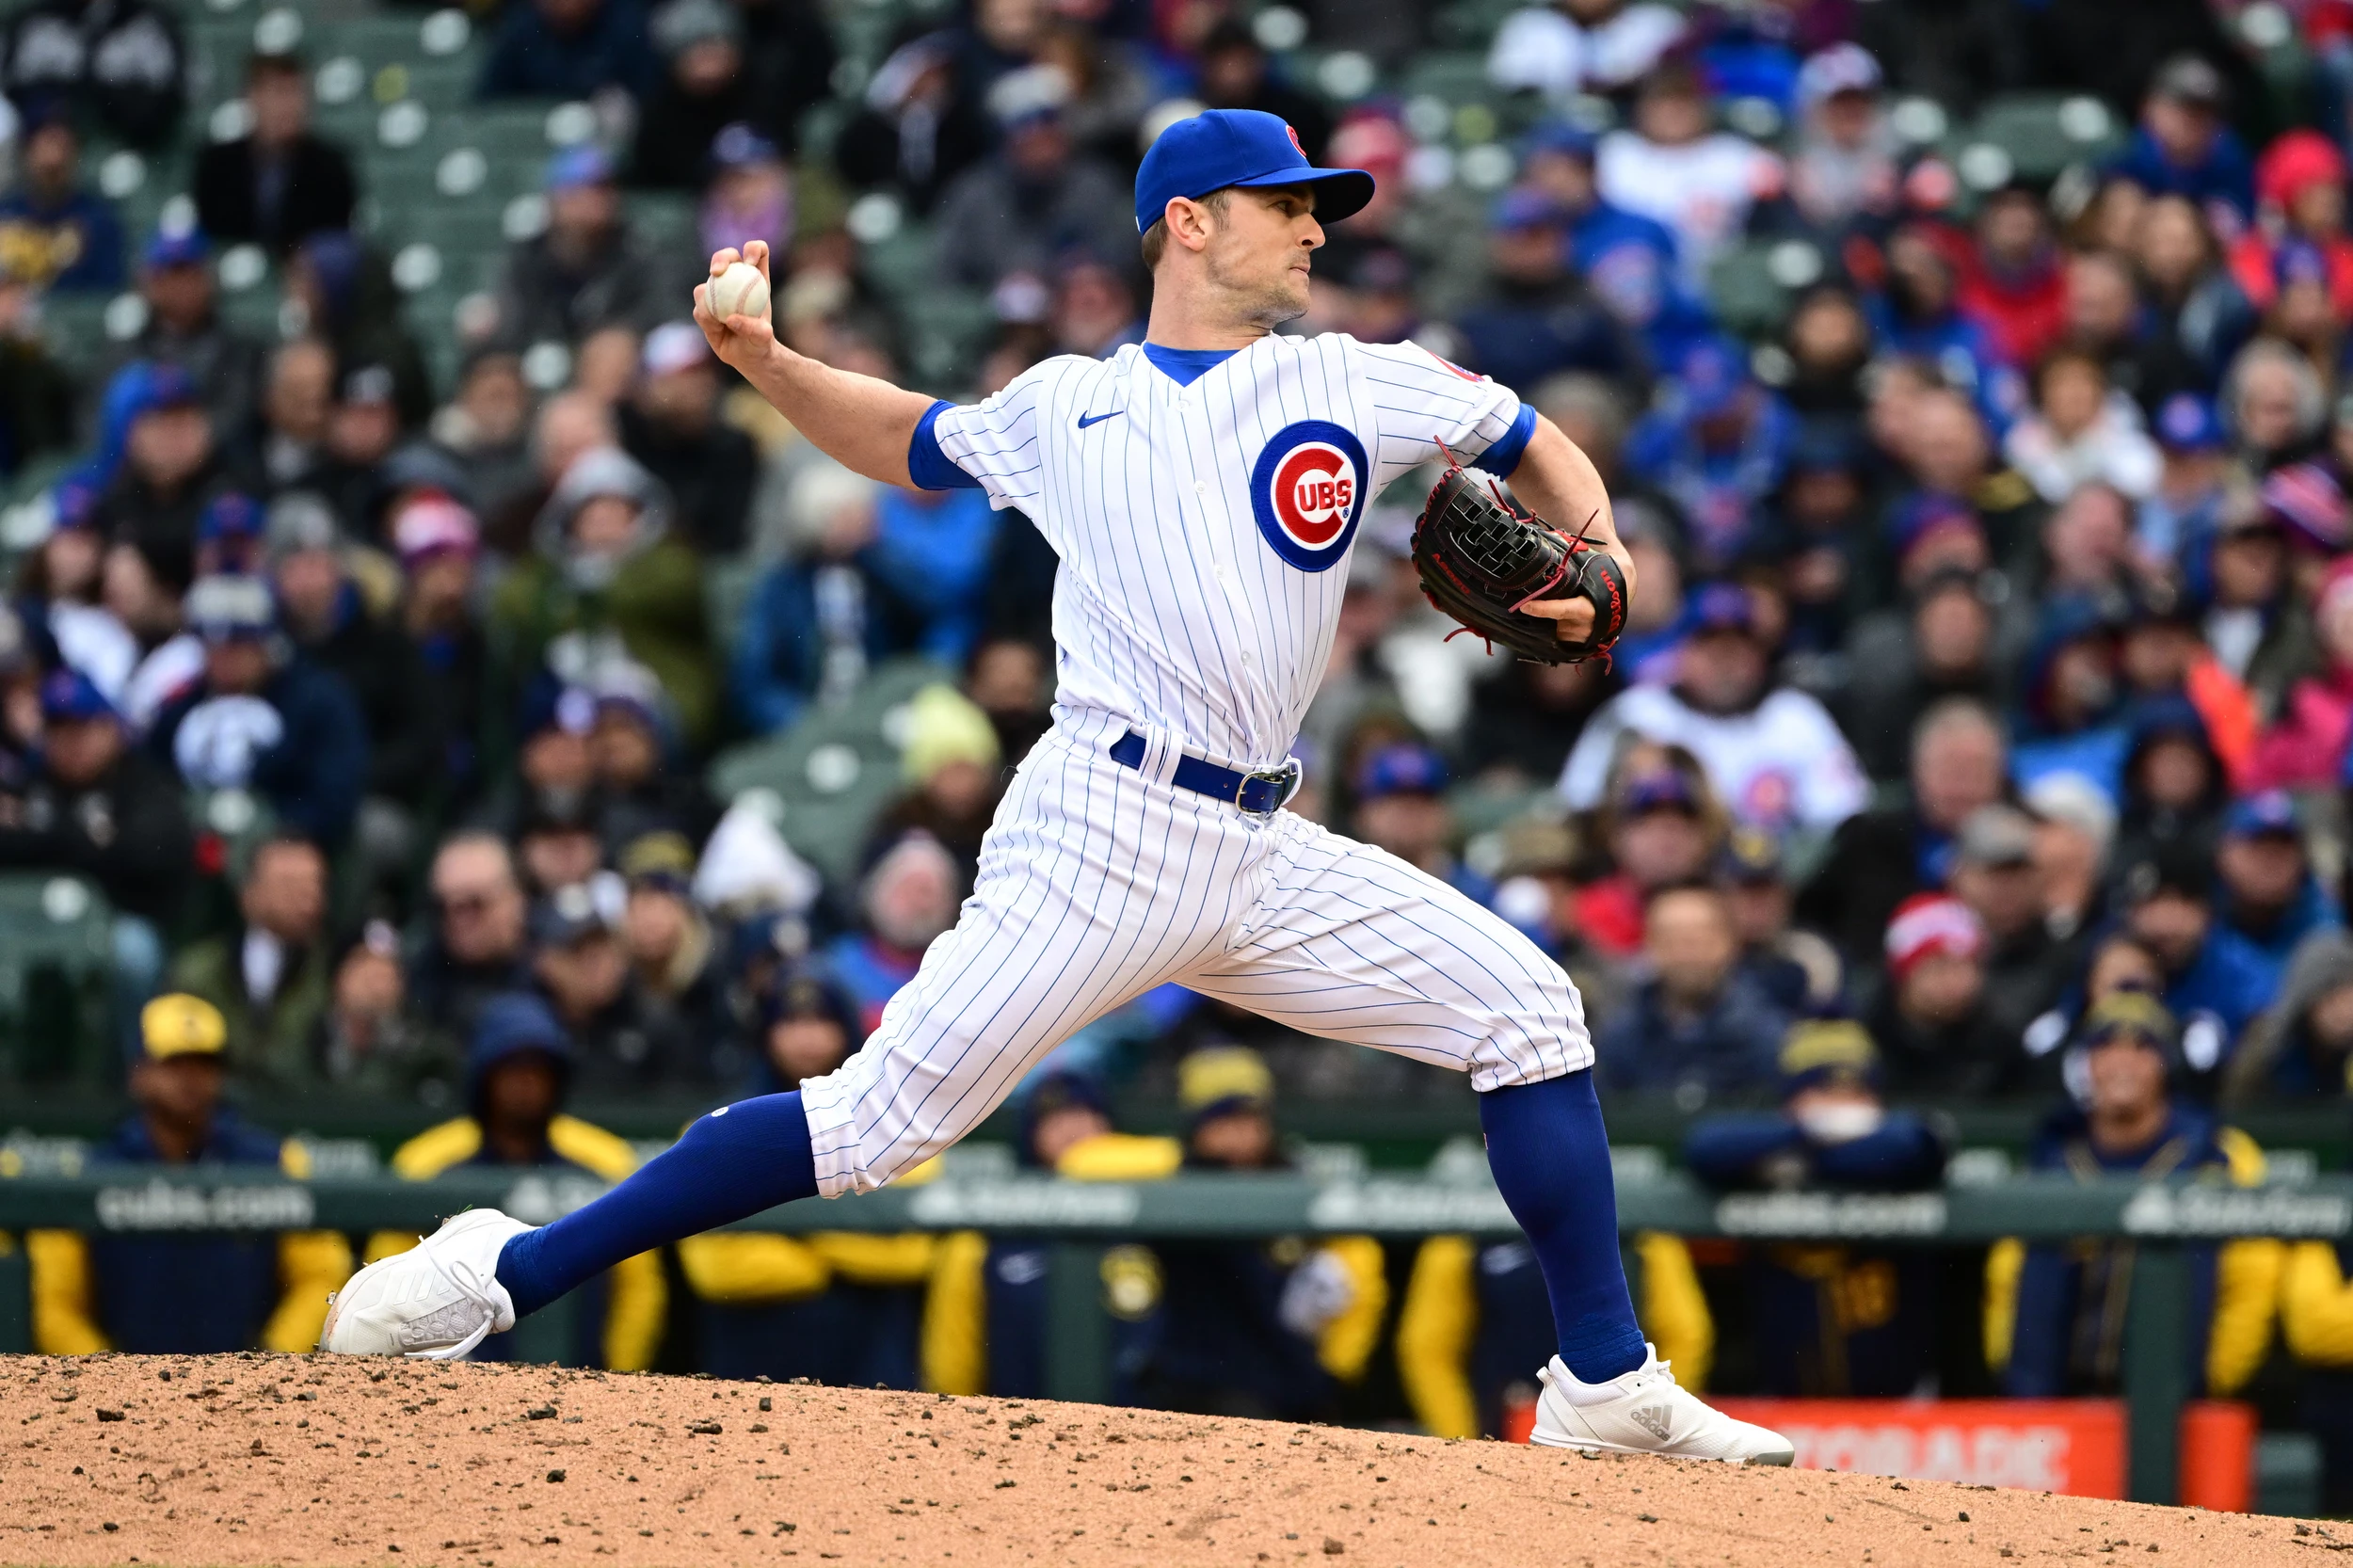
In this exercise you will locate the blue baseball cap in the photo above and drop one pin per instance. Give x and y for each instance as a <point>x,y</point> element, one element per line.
<point>578,166</point>
<point>2187,423</point>
<point>1712,376</point>
<point>1521,210</point>
<point>177,247</point>
<point>1217,148</point>
<point>68,694</point>
<point>2265,813</point>
<point>1721,607</point>
<point>1402,769</point>
<point>1562,136</point>
<point>230,514</point>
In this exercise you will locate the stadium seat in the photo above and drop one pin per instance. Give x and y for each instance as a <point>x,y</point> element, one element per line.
<point>56,952</point>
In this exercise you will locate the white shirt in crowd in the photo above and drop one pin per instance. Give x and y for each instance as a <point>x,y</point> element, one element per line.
<point>1556,55</point>
<point>1700,189</point>
<point>1781,765</point>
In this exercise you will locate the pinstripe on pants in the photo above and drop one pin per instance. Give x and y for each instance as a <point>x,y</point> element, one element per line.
<point>1098,883</point>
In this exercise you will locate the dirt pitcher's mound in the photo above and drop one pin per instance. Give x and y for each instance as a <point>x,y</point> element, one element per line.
<point>291,1460</point>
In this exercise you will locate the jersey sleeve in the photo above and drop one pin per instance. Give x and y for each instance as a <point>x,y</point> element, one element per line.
<point>1422,403</point>
<point>992,444</point>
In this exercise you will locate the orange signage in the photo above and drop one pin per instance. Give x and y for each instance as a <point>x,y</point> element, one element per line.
<point>2071,1446</point>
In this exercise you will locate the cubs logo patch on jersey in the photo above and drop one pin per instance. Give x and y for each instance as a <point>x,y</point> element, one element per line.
<point>1307,491</point>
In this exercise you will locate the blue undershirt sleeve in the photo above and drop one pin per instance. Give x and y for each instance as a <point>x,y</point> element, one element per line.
<point>930,469</point>
<point>1504,455</point>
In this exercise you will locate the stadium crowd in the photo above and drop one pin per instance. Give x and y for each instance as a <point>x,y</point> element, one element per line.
<point>1981,733</point>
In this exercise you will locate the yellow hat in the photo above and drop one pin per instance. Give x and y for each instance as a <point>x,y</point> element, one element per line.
<point>1221,1074</point>
<point>944,727</point>
<point>181,1025</point>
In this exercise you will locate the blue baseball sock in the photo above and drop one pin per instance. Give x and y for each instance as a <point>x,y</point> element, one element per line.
<point>1551,1161</point>
<point>738,1160</point>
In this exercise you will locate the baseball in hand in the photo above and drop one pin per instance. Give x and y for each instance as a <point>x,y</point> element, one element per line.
<point>739,290</point>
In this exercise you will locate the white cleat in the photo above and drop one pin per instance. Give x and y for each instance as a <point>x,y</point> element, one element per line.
<point>1644,1412</point>
<point>437,1301</point>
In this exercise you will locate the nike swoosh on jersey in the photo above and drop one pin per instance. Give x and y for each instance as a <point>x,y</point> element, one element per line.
<point>1086,419</point>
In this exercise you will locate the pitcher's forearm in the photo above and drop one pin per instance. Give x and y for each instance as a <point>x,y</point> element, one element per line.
<point>1559,483</point>
<point>861,421</point>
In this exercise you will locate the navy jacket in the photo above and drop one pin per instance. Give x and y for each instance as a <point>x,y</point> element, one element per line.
<point>313,776</point>
<point>160,1294</point>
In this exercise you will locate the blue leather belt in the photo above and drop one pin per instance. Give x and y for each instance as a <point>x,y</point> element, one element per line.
<point>1258,794</point>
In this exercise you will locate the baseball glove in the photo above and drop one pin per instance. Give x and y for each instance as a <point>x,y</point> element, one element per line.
<point>1480,558</point>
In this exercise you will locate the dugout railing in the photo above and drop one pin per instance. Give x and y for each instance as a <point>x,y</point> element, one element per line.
<point>2162,1219</point>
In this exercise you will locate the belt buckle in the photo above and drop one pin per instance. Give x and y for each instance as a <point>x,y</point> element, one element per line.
<point>1287,775</point>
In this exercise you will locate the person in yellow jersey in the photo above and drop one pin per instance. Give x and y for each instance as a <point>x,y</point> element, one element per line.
<point>518,1069</point>
<point>154,1293</point>
<point>842,1308</point>
<point>2055,1312</point>
<point>985,1323</point>
<point>1271,1328</point>
<point>2317,1320</point>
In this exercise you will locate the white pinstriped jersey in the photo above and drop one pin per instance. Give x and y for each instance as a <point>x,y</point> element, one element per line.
<point>1204,530</point>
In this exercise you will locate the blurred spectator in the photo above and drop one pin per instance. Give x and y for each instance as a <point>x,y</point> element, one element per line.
<point>2080,432</point>
<point>372,1041</point>
<point>1093,310</point>
<point>676,989</point>
<point>907,901</point>
<point>519,1068</point>
<point>2018,288</point>
<point>2175,785</point>
<point>582,970</point>
<point>1249,1327</point>
<point>1536,317</point>
<point>2070,718</point>
<point>2300,189</point>
<point>2182,147</point>
<point>120,62</point>
<point>1700,1027</point>
<point>604,564</point>
<point>2194,316</point>
<point>264,717</point>
<point>1996,872</point>
<point>671,425</point>
<point>557,847</point>
<point>1800,971</point>
<point>1237,74</point>
<point>1662,827</point>
<point>37,393</point>
<point>2305,744</point>
<point>1525,717</point>
<point>705,88</point>
<point>1538,874</point>
<point>1018,209</point>
<point>1576,46</point>
<point>270,975</point>
<point>1011,680</point>
<point>330,624</point>
<point>2273,403</point>
<point>479,944</point>
<point>437,542</point>
<point>281,181</point>
<point>790,55</point>
<point>151,1294</point>
<point>1934,1023</point>
<point>2300,1049</point>
<point>570,423</point>
<point>1402,807</point>
<point>643,785</point>
<point>751,195</point>
<point>1917,314</point>
<point>142,588</point>
<point>59,583</point>
<point>349,298</point>
<point>1717,446</point>
<point>92,805</point>
<point>295,403</point>
<point>914,131</point>
<point>1671,166</point>
<point>2186,508</point>
<point>1845,165</point>
<point>2215,980</point>
<point>2054,1309</point>
<point>570,49</point>
<point>1837,1321</point>
<point>2267,891</point>
<point>1627,260</point>
<point>2255,625</point>
<point>1771,752</point>
<point>183,328</point>
<point>950,765</point>
<point>1946,652</point>
<point>2075,830</point>
<point>55,231</point>
<point>588,268</point>
<point>485,428</point>
<point>2316,1319</point>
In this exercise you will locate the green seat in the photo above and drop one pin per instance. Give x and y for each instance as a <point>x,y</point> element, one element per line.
<point>2043,133</point>
<point>1748,298</point>
<point>835,771</point>
<point>56,964</point>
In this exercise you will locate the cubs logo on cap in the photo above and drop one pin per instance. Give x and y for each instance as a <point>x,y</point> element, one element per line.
<point>1307,491</point>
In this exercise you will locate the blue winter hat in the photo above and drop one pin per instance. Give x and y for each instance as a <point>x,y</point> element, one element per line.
<point>1220,147</point>
<point>230,514</point>
<point>511,1023</point>
<point>1712,375</point>
<point>2267,813</point>
<point>67,695</point>
<point>1406,768</point>
<point>1520,210</point>
<point>172,247</point>
<point>578,166</point>
<point>2186,422</point>
<point>1562,136</point>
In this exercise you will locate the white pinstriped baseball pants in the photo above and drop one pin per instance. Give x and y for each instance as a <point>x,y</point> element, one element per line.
<point>1099,883</point>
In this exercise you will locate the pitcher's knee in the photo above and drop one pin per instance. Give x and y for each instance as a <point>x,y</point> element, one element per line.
<point>1539,1034</point>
